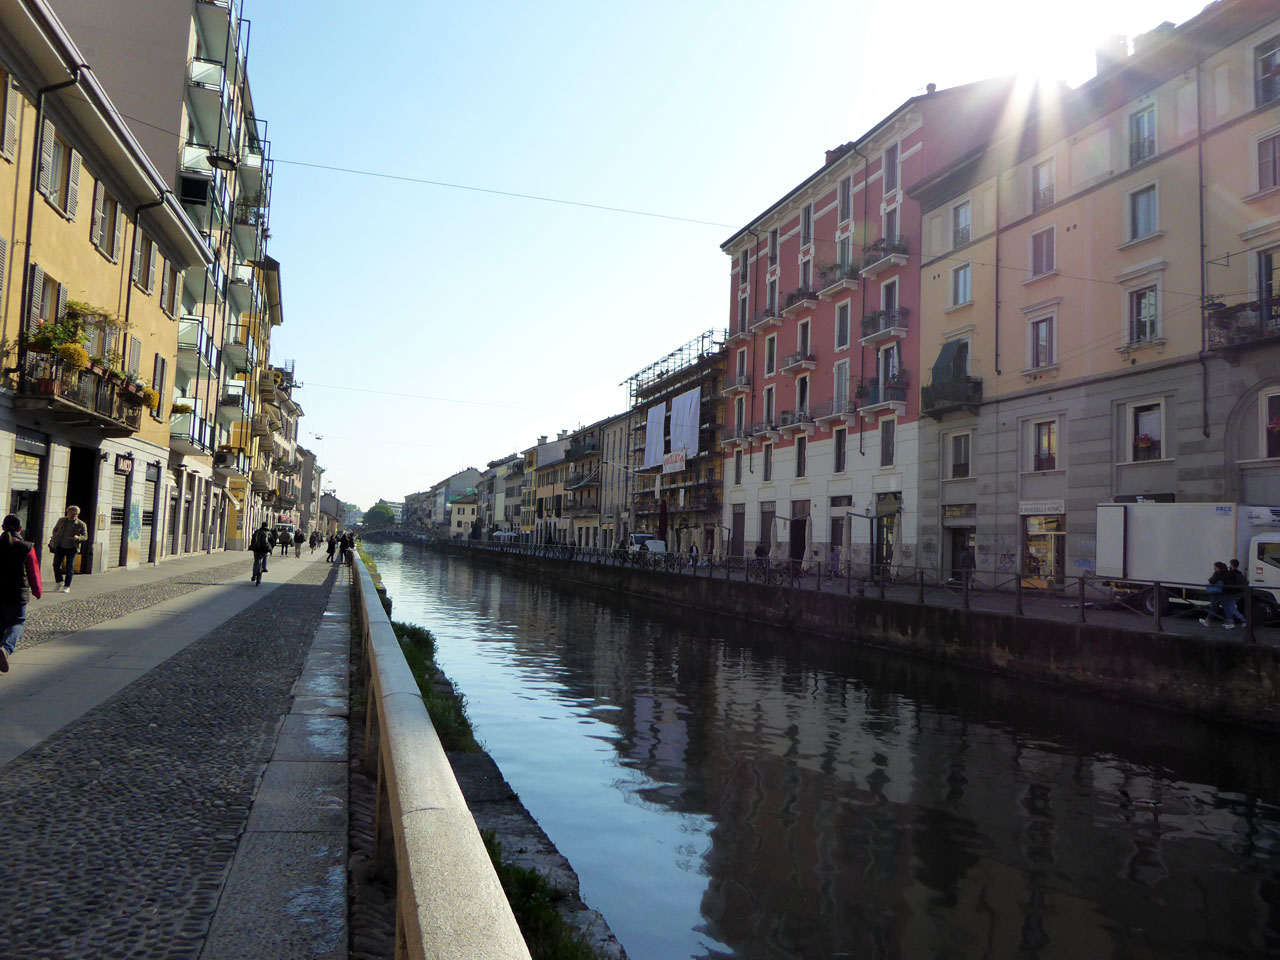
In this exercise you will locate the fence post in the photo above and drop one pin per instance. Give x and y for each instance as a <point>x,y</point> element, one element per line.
<point>1017,594</point>
<point>1082,599</point>
<point>848,577</point>
<point>1155,607</point>
<point>881,579</point>
<point>964,593</point>
<point>920,586</point>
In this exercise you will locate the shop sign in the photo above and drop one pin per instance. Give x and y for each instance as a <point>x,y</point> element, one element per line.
<point>124,464</point>
<point>959,511</point>
<point>673,462</point>
<point>1033,508</point>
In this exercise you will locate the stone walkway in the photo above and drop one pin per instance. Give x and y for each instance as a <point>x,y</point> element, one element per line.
<point>173,779</point>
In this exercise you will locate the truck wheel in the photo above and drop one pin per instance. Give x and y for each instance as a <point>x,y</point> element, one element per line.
<point>1149,602</point>
<point>1264,611</point>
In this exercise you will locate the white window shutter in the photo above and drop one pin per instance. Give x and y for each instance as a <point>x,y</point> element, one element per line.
<point>95,227</point>
<point>119,237</point>
<point>46,158</point>
<point>137,253</point>
<point>12,104</point>
<point>73,185</point>
<point>177,292</point>
<point>37,295</point>
<point>159,384</point>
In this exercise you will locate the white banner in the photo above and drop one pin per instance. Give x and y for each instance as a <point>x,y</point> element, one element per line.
<point>684,421</point>
<point>653,447</point>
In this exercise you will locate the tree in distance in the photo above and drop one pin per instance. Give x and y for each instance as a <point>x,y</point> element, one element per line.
<point>379,515</point>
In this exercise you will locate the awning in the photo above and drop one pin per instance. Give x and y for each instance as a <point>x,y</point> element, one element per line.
<point>944,368</point>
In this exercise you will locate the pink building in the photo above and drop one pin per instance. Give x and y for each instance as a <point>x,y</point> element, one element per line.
<point>823,368</point>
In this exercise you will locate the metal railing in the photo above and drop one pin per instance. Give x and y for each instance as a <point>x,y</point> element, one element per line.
<point>880,321</point>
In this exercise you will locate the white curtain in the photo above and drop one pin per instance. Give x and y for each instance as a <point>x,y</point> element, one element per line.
<point>653,431</point>
<point>684,421</point>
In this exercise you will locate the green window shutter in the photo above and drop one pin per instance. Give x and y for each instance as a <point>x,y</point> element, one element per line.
<point>62,300</point>
<point>46,158</point>
<point>117,240</point>
<point>153,256</point>
<point>37,295</point>
<point>95,227</point>
<point>164,291</point>
<point>12,104</point>
<point>137,253</point>
<point>73,185</point>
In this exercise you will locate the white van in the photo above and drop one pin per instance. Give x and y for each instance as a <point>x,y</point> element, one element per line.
<point>650,542</point>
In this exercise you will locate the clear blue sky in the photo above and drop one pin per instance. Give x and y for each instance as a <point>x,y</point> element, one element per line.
<point>438,328</point>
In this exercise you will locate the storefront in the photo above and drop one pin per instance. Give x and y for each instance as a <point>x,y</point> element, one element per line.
<point>959,523</point>
<point>1044,535</point>
<point>888,507</point>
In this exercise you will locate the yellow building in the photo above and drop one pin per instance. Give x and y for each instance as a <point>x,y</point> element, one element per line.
<point>92,247</point>
<point>1120,339</point>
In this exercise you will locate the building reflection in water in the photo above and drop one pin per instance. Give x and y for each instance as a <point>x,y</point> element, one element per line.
<point>782,799</point>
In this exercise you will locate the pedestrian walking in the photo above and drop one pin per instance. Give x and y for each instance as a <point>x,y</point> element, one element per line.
<point>344,548</point>
<point>333,545</point>
<point>315,538</point>
<point>19,582</point>
<point>297,544</point>
<point>286,541</point>
<point>260,544</point>
<point>68,533</point>
<point>1217,590</point>
<point>1232,588</point>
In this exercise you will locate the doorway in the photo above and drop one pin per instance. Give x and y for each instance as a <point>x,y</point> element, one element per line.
<point>82,487</point>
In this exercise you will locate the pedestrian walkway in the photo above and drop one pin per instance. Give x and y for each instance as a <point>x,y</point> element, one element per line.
<point>173,755</point>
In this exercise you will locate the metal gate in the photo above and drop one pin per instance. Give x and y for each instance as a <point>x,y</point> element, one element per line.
<point>116,528</point>
<point>148,545</point>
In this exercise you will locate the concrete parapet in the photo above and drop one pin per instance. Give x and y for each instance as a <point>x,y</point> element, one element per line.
<point>449,902</point>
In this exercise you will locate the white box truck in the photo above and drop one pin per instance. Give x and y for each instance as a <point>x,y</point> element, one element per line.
<point>1176,544</point>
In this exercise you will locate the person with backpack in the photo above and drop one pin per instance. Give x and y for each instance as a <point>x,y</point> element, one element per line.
<point>19,582</point>
<point>261,546</point>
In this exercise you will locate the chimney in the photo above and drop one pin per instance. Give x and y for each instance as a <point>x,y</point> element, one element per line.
<point>1112,51</point>
<point>1153,37</point>
<point>542,440</point>
<point>929,89</point>
<point>835,153</point>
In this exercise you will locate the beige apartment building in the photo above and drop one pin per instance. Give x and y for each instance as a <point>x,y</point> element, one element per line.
<point>1098,310</point>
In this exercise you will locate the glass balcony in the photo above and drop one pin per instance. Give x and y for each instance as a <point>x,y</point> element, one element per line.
<point>197,353</point>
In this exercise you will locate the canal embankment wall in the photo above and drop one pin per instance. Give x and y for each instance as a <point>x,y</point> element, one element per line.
<point>1216,677</point>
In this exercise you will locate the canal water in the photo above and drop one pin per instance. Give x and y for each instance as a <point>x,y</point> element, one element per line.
<point>725,791</point>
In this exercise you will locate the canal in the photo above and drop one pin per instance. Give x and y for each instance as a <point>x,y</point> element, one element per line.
<point>728,792</point>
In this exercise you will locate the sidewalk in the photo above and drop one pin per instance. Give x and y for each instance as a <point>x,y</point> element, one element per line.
<point>173,776</point>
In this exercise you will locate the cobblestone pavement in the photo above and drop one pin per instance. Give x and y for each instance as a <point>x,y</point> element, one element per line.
<point>118,831</point>
<point>46,623</point>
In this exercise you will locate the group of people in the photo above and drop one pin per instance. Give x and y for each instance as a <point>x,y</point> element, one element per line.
<point>1226,583</point>
<point>264,541</point>
<point>343,545</point>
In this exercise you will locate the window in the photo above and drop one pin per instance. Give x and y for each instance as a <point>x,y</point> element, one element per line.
<point>1267,71</point>
<point>769,406</point>
<point>1269,163</point>
<point>844,254</point>
<point>744,261</point>
<point>48,298</point>
<point>961,221</point>
<point>770,355</point>
<point>1142,315</point>
<point>891,168</point>
<point>802,395</point>
<point>108,222</point>
<point>1143,219</point>
<point>846,199</point>
<point>889,365</point>
<point>806,276</point>
<point>10,104</point>
<point>1041,186</point>
<point>773,247</point>
<point>59,178</point>
<point>840,387</point>
<point>961,290</point>
<point>802,338</point>
<point>742,364</point>
<point>742,315</point>
<point>839,449</point>
<point>1041,352</point>
<point>802,451</point>
<point>773,298</point>
<point>958,459</point>
<point>737,468</point>
<point>1271,424</point>
<point>1142,136</point>
<point>842,325</point>
<point>1146,421</point>
<point>889,296</point>
<point>740,412</point>
<point>891,229</point>
<point>1042,256</point>
<point>144,261</point>
<point>806,224</point>
<point>887,429</point>
<point>767,454</point>
<point>1045,445</point>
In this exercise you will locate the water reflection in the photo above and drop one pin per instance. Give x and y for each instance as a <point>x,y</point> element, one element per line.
<point>749,795</point>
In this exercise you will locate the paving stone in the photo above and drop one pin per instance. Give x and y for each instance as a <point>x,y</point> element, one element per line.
<point>301,797</point>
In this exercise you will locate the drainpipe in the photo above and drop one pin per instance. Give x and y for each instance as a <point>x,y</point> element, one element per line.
<point>28,294</point>
<point>755,298</point>
<point>1204,360</point>
<point>862,290</point>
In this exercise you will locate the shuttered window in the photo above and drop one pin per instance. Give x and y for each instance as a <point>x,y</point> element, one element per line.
<point>158,372</point>
<point>10,116</point>
<point>59,178</point>
<point>104,231</point>
<point>135,356</point>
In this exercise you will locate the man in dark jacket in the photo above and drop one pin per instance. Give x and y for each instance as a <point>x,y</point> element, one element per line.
<point>261,546</point>
<point>19,582</point>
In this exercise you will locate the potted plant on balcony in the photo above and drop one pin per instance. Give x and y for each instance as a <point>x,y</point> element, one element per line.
<point>180,408</point>
<point>150,398</point>
<point>74,357</point>
<point>1144,440</point>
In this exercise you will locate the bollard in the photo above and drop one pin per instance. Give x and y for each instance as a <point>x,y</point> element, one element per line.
<point>1017,595</point>
<point>1155,608</point>
<point>1248,614</point>
<point>920,587</point>
<point>1081,599</point>
<point>964,580</point>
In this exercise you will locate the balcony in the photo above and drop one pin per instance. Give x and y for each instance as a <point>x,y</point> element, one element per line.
<point>791,422</point>
<point>207,285</point>
<point>841,409</point>
<point>884,253</point>
<point>739,334</point>
<point>949,396</point>
<point>1141,150</point>
<point>797,362</point>
<point>961,235</point>
<point>1242,325</point>
<point>229,462</point>
<point>883,325</point>
<point>78,398</point>
<point>260,426</point>
<point>834,278</point>
<point>234,404</point>
<point>581,510</point>
<point>260,479</point>
<point>267,384</point>
<point>1042,198</point>
<point>736,436</point>
<point>249,219</point>
<point>738,384</point>
<point>766,319</point>
<point>582,447</point>
<point>798,301</point>
<point>583,479</point>
<point>765,429</point>
<point>239,348</point>
<point>242,284</point>
<point>197,353</point>
<point>704,503</point>
<point>190,433</point>
<point>253,176</point>
<point>891,397</point>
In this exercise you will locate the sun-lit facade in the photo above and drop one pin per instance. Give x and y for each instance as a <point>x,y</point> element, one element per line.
<point>1119,339</point>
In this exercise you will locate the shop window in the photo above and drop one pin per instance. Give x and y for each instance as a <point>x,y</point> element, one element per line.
<point>1271,424</point>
